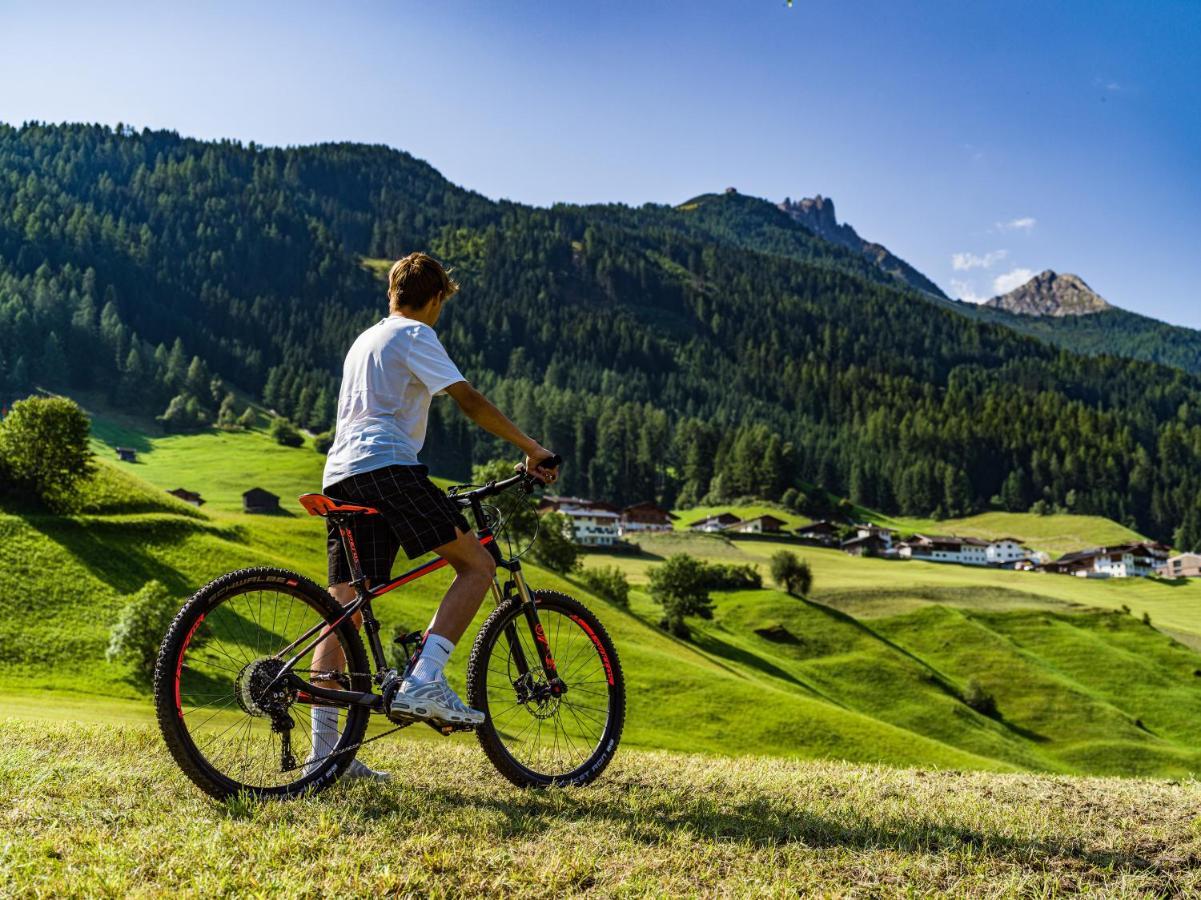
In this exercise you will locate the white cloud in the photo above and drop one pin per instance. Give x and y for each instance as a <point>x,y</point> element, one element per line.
<point>1003,284</point>
<point>965,291</point>
<point>1025,223</point>
<point>965,262</point>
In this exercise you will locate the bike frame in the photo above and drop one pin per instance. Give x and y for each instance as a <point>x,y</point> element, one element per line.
<point>362,604</point>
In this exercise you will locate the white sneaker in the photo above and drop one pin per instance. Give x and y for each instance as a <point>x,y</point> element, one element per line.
<point>433,700</point>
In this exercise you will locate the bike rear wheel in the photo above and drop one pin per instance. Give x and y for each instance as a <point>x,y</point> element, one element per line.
<point>226,727</point>
<point>536,738</point>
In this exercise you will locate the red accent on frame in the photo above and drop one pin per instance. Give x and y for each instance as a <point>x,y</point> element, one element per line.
<point>599,648</point>
<point>179,663</point>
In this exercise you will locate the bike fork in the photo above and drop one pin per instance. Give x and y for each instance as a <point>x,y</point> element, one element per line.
<point>546,658</point>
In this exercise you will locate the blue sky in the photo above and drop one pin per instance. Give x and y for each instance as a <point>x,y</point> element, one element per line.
<point>981,141</point>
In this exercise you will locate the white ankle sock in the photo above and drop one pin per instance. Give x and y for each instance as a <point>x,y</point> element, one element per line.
<point>325,729</point>
<point>435,651</point>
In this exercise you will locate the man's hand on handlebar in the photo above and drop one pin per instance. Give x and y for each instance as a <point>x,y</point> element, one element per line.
<point>542,465</point>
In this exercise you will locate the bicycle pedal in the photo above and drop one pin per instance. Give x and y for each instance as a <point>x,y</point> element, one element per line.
<point>446,729</point>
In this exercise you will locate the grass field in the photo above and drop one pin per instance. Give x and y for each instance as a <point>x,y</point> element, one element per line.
<point>873,668</point>
<point>99,811</point>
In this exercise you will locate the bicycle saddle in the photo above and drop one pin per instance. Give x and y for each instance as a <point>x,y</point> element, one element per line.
<point>321,505</point>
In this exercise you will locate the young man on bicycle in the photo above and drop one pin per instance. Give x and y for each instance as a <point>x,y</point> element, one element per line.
<point>392,372</point>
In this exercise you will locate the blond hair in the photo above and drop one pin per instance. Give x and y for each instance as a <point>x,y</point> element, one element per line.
<point>416,280</point>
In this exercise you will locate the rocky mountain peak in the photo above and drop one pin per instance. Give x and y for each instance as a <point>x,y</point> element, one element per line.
<point>816,214</point>
<point>1051,294</point>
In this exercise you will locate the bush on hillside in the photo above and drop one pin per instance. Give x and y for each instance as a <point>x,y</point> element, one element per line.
<point>183,413</point>
<point>139,629</point>
<point>284,432</point>
<point>323,441</point>
<point>791,573</point>
<point>44,452</point>
<point>729,577</point>
<point>248,419</point>
<point>226,417</point>
<point>980,699</point>
<point>610,583</point>
<point>679,586</point>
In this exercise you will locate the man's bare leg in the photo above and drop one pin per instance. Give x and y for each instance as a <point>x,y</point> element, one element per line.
<point>424,692</point>
<point>474,570</point>
<point>328,655</point>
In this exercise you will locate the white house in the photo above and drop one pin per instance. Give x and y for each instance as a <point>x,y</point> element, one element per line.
<point>591,526</point>
<point>1186,565</point>
<point>966,551</point>
<point>1006,552</point>
<point>713,524</point>
<point>766,524</point>
<point>645,516</point>
<point>867,530</point>
<point>1133,560</point>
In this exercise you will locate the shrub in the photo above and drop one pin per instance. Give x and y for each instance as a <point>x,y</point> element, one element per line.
<point>226,418</point>
<point>980,699</point>
<point>44,450</point>
<point>284,432</point>
<point>729,577</point>
<point>1146,618</point>
<point>183,413</point>
<point>248,419</point>
<point>791,573</point>
<point>610,583</point>
<point>680,587</point>
<point>140,626</point>
<point>323,441</point>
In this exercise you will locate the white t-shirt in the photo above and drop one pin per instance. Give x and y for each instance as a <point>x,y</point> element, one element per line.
<point>392,372</point>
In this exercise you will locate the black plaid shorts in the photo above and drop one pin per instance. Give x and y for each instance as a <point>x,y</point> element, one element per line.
<point>414,514</point>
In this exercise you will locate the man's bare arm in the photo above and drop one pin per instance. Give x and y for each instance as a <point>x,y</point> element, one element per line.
<point>484,413</point>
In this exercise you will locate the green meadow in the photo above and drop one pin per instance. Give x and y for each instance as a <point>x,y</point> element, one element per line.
<point>875,667</point>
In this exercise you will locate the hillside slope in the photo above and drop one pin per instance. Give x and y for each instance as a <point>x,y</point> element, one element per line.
<point>839,677</point>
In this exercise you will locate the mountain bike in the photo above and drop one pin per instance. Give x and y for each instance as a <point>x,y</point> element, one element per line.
<point>233,683</point>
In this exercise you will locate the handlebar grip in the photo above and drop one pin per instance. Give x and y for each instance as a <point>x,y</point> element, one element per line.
<point>551,462</point>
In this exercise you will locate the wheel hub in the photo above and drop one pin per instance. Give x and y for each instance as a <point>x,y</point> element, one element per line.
<point>258,693</point>
<point>537,696</point>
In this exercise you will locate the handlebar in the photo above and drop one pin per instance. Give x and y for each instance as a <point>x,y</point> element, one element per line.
<point>492,488</point>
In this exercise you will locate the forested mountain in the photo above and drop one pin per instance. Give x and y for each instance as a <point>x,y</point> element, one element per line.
<point>670,352</point>
<point>1112,331</point>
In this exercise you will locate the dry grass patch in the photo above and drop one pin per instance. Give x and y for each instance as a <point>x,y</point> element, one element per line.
<point>99,810</point>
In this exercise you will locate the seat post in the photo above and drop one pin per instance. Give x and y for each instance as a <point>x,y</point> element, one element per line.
<point>341,522</point>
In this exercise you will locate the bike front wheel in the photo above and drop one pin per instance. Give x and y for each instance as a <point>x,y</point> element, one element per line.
<point>537,734</point>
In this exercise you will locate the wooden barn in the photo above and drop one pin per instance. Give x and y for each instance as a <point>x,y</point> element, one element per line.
<point>257,500</point>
